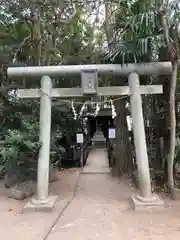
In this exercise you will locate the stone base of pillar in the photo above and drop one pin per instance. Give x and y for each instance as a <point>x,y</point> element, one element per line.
<point>35,205</point>
<point>147,204</point>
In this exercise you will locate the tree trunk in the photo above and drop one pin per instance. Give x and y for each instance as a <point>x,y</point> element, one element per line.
<point>172,48</point>
<point>123,154</point>
<point>172,125</point>
<point>164,55</point>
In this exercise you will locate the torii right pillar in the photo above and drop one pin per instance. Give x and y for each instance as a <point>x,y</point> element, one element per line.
<point>145,200</point>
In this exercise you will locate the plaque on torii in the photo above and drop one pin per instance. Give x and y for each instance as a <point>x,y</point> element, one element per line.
<point>89,81</point>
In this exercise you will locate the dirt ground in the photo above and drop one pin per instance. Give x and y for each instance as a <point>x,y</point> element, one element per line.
<point>33,226</point>
<point>101,210</point>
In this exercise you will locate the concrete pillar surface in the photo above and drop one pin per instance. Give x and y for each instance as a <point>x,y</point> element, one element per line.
<point>45,136</point>
<point>139,136</point>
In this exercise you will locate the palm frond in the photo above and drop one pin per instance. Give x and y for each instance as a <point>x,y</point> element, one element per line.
<point>135,49</point>
<point>142,34</point>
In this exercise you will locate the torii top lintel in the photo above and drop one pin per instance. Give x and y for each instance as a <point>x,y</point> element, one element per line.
<point>153,68</point>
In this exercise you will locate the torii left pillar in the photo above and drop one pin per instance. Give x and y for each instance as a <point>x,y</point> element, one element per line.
<point>42,201</point>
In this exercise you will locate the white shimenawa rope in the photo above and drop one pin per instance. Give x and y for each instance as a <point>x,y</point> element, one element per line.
<point>114,114</point>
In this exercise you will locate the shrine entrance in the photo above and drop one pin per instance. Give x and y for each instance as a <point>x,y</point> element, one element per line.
<point>99,125</point>
<point>89,76</point>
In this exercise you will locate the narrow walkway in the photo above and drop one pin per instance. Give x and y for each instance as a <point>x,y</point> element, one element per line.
<point>101,210</point>
<point>97,162</point>
<point>98,199</point>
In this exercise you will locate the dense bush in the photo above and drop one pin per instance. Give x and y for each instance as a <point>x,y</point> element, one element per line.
<point>21,130</point>
<point>21,148</point>
<point>57,152</point>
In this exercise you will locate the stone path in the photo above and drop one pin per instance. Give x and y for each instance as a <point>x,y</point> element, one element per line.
<point>102,210</point>
<point>97,162</point>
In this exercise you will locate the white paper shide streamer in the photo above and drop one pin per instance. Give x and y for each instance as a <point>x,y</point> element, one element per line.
<point>97,109</point>
<point>74,110</point>
<point>82,109</point>
<point>114,114</point>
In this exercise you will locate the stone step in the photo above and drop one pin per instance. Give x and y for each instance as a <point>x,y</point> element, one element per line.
<point>98,137</point>
<point>98,140</point>
<point>96,171</point>
<point>99,145</point>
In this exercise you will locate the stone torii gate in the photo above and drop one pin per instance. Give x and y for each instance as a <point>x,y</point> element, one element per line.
<point>45,202</point>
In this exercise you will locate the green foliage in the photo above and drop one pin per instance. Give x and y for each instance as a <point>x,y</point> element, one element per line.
<point>21,147</point>
<point>45,33</point>
<point>138,33</point>
<point>57,152</point>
